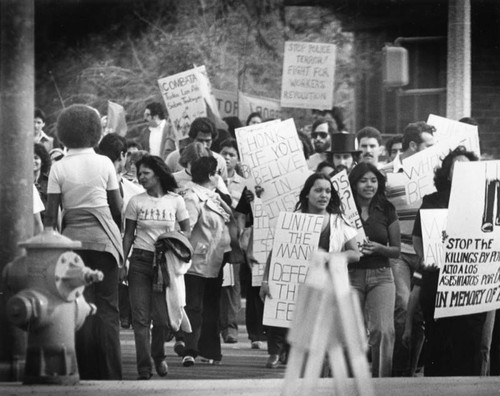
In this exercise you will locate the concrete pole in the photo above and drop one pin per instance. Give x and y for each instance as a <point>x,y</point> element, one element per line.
<point>458,98</point>
<point>17,67</point>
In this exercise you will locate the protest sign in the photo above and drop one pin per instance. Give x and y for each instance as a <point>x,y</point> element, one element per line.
<point>341,184</point>
<point>267,107</point>
<point>469,281</point>
<point>186,96</point>
<point>419,168</point>
<point>227,102</point>
<point>241,105</point>
<point>296,238</point>
<point>308,75</point>
<point>116,119</point>
<point>262,241</point>
<point>273,156</point>
<point>446,129</point>
<point>433,224</point>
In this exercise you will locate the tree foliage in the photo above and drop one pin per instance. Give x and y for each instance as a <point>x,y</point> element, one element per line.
<point>240,42</point>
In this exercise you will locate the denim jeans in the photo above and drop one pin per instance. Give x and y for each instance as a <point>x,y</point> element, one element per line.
<point>230,305</point>
<point>376,291</point>
<point>405,360</point>
<point>97,342</point>
<point>254,311</point>
<point>202,309</point>
<point>146,306</point>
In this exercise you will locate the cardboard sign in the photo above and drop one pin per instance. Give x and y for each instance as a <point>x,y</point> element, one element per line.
<point>419,168</point>
<point>186,96</point>
<point>267,107</point>
<point>227,102</point>
<point>433,223</point>
<point>308,75</point>
<point>241,105</point>
<point>116,118</point>
<point>446,129</point>
<point>262,241</point>
<point>469,281</point>
<point>341,184</point>
<point>296,238</point>
<point>274,159</point>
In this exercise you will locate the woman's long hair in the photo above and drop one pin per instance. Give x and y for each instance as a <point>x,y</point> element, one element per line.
<point>160,169</point>
<point>334,206</point>
<point>40,150</point>
<point>379,199</point>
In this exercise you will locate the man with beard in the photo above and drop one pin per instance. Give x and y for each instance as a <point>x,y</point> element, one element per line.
<point>321,136</point>
<point>369,142</point>
<point>343,152</point>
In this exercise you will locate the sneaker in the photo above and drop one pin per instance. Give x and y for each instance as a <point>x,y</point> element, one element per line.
<point>125,323</point>
<point>273,361</point>
<point>284,357</point>
<point>161,368</point>
<point>256,344</point>
<point>187,361</point>
<point>230,340</point>
<point>208,361</point>
<point>144,376</point>
<point>179,347</point>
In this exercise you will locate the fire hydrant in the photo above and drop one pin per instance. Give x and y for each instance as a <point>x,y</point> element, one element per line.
<point>49,305</point>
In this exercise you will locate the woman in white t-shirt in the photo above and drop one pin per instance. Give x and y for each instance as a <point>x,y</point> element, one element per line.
<point>85,186</point>
<point>148,215</point>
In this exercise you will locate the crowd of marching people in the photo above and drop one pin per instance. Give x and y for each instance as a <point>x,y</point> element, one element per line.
<point>164,219</point>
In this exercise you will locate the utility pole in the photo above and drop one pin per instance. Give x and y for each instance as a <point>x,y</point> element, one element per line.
<point>17,89</point>
<point>458,92</point>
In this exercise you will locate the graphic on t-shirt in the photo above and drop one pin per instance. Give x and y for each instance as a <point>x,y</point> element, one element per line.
<point>491,195</point>
<point>155,214</point>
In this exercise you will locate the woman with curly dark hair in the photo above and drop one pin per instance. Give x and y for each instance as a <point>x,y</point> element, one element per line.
<point>337,235</point>
<point>452,345</point>
<point>85,186</point>
<point>372,277</point>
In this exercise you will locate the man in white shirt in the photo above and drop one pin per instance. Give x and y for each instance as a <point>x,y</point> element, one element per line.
<point>201,130</point>
<point>158,138</point>
<point>39,135</point>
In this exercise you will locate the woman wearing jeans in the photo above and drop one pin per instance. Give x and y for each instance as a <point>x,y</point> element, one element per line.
<point>208,215</point>
<point>372,276</point>
<point>148,215</point>
<point>84,185</point>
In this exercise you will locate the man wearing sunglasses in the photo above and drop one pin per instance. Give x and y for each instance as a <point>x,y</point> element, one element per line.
<point>321,136</point>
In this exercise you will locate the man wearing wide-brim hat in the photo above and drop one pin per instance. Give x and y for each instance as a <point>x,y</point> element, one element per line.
<point>344,154</point>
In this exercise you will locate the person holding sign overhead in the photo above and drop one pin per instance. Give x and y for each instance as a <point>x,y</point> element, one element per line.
<point>372,277</point>
<point>453,344</point>
<point>337,236</point>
